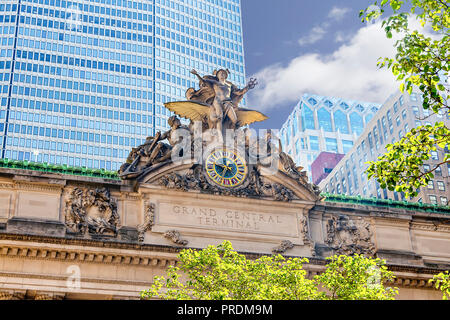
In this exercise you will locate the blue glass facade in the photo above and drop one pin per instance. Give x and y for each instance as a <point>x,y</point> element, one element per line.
<point>320,123</point>
<point>82,82</point>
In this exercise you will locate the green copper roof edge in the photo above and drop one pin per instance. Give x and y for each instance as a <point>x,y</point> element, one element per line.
<point>63,169</point>
<point>413,206</point>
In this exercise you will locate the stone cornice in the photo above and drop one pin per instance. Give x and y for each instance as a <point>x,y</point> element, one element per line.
<point>375,211</point>
<point>85,256</point>
<point>64,278</point>
<point>437,226</point>
<point>84,250</point>
<point>31,186</point>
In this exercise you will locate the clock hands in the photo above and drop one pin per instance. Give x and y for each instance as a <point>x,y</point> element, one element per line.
<point>225,166</point>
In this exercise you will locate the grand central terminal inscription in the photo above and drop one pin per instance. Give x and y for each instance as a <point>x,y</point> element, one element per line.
<point>208,219</point>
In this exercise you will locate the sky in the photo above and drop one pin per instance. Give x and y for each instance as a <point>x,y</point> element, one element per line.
<point>312,46</point>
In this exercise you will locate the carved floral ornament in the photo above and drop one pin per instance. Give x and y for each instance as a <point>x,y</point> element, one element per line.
<point>349,236</point>
<point>92,211</point>
<point>257,185</point>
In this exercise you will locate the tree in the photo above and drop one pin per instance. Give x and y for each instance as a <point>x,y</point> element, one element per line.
<point>220,273</point>
<point>422,62</point>
<point>356,278</point>
<point>442,282</point>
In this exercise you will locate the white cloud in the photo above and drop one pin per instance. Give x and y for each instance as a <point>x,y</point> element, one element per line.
<point>319,31</point>
<point>340,36</point>
<point>337,13</point>
<point>316,34</point>
<point>349,72</point>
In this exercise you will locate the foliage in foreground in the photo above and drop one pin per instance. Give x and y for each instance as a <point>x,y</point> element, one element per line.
<point>421,61</point>
<point>442,282</point>
<point>220,273</point>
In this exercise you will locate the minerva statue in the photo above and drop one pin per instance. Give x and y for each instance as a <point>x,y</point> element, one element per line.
<point>216,103</point>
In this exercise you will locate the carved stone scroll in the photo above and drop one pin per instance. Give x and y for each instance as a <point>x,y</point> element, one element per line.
<point>283,247</point>
<point>175,237</point>
<point>149,220</point>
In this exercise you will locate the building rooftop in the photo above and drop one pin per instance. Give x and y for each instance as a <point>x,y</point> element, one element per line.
<point>413,206</point>
<point>63,169</point>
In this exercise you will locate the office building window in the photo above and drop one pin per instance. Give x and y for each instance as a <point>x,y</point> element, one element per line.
<point>369,138</point>
<point>312,101</point>
<point>340,122</point>
<point>444,201</point>
<point>433,199</point>
<point>438,171</point>
<point>324,118</point>
<point>307,116</point>
<point>404,114</point>
<point>356,123</point>
<point>440,185</point>
<point>347,145</point>
<point>314,143</point>
<point>295,124</point>
<point>434,155</point>
<point>431,185</point>
<point>331,144</point>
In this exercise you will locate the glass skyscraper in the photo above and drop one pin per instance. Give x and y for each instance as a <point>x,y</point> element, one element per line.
<point>320,123</point>
<point>82,82</point>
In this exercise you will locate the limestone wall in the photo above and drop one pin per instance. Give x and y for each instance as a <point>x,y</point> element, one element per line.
<point>116,237</point>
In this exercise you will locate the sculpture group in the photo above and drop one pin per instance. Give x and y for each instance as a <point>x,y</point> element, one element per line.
<point>212,110</point>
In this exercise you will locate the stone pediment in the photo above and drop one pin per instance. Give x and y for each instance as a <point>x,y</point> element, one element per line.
<point>260,183</point>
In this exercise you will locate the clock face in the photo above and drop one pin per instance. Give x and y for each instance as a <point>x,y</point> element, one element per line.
<point>225,168</point>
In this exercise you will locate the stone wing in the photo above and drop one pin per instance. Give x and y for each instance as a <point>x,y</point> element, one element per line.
<point>194,111</point>
<point>246,116</point>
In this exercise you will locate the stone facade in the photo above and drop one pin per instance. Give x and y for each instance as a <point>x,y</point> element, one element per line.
<point>76,237</point>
